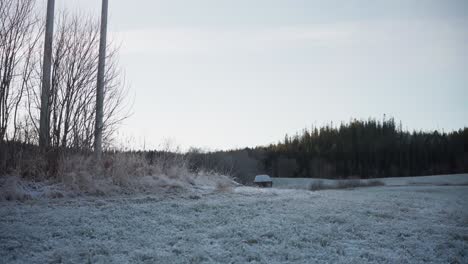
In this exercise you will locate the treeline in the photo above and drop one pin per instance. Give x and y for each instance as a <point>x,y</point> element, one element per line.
<point>358,149</point>
<point>367,149</point>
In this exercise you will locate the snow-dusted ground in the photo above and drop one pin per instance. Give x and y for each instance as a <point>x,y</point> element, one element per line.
<point>416,223</point>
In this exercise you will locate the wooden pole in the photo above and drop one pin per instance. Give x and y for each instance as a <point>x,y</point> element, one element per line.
<point>44,123</point>
<point>100,83</point>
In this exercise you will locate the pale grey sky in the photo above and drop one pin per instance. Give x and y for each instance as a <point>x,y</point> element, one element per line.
<point>222,74</point>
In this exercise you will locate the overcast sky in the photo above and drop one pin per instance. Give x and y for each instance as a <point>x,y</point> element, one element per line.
<point>220,74</point>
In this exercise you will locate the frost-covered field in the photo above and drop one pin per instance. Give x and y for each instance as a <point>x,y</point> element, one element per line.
<point>416,223</point>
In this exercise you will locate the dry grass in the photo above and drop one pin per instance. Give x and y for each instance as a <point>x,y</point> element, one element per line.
<point>78,174</point>
<point>223,186</point>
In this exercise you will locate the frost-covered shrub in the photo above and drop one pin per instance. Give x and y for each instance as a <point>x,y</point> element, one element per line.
<point>375,183</point>
<point>317,185</point>
<point>344,184</point>
<point>12,189</point>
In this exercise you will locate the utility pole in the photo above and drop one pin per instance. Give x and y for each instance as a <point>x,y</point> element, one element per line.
<point>100,83</point>
<point>44,123</point>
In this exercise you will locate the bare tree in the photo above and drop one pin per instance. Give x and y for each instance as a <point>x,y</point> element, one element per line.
<point>72,97</point>
<point>19,31</point>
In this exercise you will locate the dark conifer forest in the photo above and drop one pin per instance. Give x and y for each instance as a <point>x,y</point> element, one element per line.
<point>358,149</point>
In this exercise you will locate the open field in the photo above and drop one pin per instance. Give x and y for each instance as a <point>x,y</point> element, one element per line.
<point>395,223</point>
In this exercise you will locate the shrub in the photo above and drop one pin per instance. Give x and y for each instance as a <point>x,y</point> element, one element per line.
<point>317,185</point>
<point>344,184</point>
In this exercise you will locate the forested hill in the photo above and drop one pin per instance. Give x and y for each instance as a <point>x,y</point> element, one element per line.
<point>367,149</point>
<point>360,148</point>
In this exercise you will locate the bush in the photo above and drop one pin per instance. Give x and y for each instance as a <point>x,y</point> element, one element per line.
<point>317,185</point>
<point>344,184</point>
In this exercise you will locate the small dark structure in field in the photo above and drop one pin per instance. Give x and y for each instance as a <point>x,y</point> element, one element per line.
<point>263,181</point>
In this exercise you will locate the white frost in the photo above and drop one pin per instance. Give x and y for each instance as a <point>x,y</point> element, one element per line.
<point>387,224</point>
